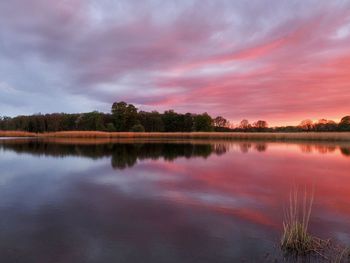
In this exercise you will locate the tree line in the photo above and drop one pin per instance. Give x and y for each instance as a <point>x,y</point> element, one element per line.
<point>123,118</point>
<point>126,117</point>
<point>307,125</point>
<point>321,125</point>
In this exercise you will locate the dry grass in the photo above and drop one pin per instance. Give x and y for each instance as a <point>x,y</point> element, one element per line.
<point>296,238</point>
<point>330,136</point>
<point>342,256</point>
<point>16,134</point>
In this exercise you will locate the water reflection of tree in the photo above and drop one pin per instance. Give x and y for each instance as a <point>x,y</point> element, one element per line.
<point>261,147</point>
<point>305,148</point>
<point>125,155</point>
<point>345,151</point>
<point>220,149</point>
<point>122,155</point>
<point>323,149</point>
<point>246,147</point>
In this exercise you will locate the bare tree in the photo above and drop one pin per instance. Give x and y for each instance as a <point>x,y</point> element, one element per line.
<point>307,125</point>
<point>244,124</point>
<point>221,122</point>
<point>260,124</point>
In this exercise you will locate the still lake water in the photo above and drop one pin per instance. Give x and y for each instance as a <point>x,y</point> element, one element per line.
<point>93,201</point>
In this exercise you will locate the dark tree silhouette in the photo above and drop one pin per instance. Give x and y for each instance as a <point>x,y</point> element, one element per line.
<point>306,125</point>
<point>203,122</point>
<point>119,115</point>
<point>325,125</point>
<point>124,115</point>
<point>151,121</point>
<point>260,125</point>
<point>244,125</point>
<point>138,128</point>
<point>221,122</point>
<point>344,124</point>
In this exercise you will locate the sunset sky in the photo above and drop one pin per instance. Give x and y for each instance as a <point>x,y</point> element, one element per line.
<point>277,60</point>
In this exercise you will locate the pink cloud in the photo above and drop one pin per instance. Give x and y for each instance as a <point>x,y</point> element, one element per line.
<point>288,63</point>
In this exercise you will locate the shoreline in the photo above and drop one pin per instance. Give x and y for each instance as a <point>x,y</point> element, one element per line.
<point>269,136</point>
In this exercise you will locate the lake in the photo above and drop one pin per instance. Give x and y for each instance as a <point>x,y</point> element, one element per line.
<point>164,201</point>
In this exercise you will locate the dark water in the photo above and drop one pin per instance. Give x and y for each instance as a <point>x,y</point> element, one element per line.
<point>97,201</point>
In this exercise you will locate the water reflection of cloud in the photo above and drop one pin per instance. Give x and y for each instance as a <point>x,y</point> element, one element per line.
<point>78,204</point>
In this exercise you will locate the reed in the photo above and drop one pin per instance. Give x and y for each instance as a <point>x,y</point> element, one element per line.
<point>268,136</point>
<point>296,237</point>
<point>17,134</point>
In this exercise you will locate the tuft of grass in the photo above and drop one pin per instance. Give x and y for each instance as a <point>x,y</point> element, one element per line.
<point>296,238</point>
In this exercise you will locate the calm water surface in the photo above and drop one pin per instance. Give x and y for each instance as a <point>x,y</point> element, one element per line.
<point>97,201</point>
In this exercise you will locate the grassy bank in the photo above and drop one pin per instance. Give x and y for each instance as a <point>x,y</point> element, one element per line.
<point>17,134</point>
<point>311,136</point>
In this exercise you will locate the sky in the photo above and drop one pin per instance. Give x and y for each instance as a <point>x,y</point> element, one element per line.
<point>277,60</point>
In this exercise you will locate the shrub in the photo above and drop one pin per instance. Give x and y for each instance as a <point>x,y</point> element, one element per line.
<point>111,127</point>
<point>137,128</point>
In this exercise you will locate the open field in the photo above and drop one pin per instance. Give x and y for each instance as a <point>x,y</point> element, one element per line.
<point>310,136</point>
